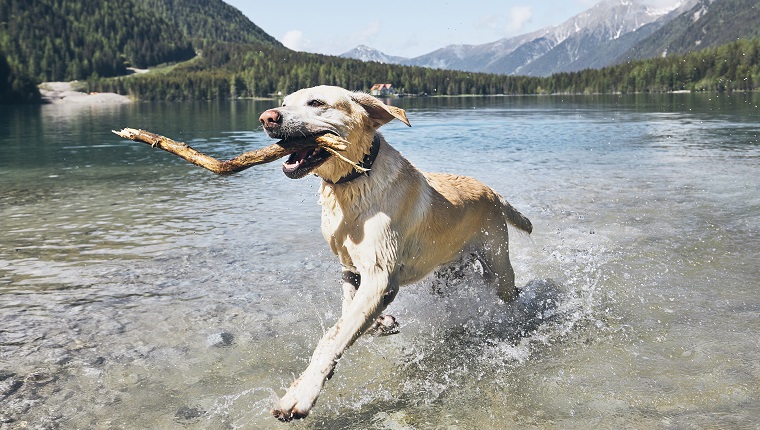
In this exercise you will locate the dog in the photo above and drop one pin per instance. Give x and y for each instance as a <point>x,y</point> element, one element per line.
<point>389,226</point>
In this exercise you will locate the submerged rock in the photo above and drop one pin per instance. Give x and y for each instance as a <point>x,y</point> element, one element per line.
<point>222,339</point>
<point>187,414</point>
<point>9,384</point>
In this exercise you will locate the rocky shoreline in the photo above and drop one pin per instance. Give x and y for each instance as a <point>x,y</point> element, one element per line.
<point>66,93</point>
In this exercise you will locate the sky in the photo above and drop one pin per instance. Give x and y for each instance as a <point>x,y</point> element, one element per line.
<point>406,28</point>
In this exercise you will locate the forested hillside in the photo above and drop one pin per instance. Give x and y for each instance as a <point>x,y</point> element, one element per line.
<point>731,67</point>
<point>209,21</point>
<point>233,71</point>
<point>16,87</point>
<point>54,40</point>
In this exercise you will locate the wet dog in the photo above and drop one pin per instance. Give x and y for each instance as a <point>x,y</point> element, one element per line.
<point>389,226</point>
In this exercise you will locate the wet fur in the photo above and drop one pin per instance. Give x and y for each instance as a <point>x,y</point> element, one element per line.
<point>391,227</point>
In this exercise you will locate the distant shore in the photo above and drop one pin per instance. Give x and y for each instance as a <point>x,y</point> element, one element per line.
<point>66,93</point>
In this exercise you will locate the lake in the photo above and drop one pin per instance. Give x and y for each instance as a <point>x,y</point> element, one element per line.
<point>138,291</point>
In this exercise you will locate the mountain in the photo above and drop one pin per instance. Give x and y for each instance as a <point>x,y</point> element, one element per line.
<point>54,40</point>
<point>709,23</point>
<point>365,53</point>
<point>592,39</point>
<point>210,21</point>
<point>68,39</point>
<point>474,58</point>
<point>595,38</point>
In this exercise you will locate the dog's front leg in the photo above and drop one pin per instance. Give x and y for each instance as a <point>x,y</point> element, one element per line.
<point>376,292</point>
<point>384,324</point>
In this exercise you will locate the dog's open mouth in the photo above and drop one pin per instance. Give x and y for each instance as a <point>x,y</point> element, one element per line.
<point>303,161</point>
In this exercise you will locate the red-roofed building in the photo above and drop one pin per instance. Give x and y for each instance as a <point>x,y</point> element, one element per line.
<point>382,90</point>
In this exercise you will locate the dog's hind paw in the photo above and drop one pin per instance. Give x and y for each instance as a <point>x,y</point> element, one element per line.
<point>288,415</point>
<point>384,325</point>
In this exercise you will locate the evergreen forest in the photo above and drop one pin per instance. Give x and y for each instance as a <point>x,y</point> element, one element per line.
<point>241,70</point>
<point>16,87</point>
<point>64,40</point>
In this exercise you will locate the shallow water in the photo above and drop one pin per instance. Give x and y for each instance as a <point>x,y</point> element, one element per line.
<point>137,291</point>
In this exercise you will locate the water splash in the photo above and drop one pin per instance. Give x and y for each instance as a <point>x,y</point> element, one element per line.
<point>456,335</point>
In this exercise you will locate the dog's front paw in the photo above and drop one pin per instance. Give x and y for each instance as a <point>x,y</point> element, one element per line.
<point>297,402</point>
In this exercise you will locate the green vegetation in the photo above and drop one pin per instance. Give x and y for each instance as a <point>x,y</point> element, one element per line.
<point>243,70</point>
<point>230,57</point>
<point>209,21</point>
<point>731,67</point>
<point>16,87</point>
<point>54,40</point>
<point>63,40</point>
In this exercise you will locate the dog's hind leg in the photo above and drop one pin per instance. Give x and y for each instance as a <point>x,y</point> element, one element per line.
<point>497,269</point>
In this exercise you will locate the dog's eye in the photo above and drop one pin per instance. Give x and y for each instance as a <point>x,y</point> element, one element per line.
<point>316,103</point>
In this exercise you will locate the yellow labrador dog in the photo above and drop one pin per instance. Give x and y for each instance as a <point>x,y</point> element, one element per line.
<point>390,226</point>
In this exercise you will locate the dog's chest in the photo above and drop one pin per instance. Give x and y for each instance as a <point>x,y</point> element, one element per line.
<point>352,230</point>
<point>332,218</point>
<point>338,224</point>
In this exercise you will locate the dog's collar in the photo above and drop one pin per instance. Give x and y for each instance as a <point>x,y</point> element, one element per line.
<point>366,163</point>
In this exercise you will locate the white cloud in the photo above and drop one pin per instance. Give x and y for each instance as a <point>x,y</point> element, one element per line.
<point>334,44</point>
<point>295,40</point>
<point>519,16</point>
<point>372,28</point>
<point>339,43</point>
<point>512,22</point>
<point>488,21</point>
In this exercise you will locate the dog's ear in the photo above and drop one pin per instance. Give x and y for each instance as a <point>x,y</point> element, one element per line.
<point>379,112</point>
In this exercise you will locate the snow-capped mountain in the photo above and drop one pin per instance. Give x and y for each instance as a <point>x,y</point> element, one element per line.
<point>365,53</point>
<point>475,58</point>
<point>597,37</point>
<point>594,38</point>
<point>709,23</point>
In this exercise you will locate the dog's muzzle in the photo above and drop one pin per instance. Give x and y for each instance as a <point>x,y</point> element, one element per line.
<point>301,162</point>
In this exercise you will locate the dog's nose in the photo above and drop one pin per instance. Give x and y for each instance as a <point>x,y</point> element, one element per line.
<point>270,117</point>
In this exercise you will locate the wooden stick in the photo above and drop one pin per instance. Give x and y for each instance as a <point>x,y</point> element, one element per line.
<point>329,142</point>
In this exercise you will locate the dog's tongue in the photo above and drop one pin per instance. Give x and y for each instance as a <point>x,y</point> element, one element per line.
<point>296,159</point>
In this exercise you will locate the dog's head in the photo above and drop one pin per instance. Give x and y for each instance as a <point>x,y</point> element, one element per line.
<point>354,116</point>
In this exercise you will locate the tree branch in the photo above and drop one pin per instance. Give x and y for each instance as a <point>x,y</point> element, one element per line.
<point>329,142</point>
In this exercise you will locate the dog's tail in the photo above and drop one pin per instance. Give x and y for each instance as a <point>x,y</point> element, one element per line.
<point>515,217</point>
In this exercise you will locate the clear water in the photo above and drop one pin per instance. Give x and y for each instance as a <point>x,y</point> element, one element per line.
<point>137,291</point>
